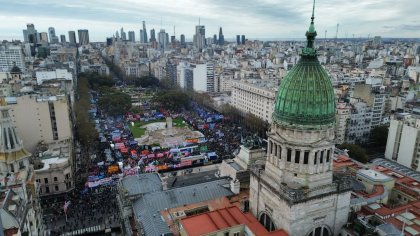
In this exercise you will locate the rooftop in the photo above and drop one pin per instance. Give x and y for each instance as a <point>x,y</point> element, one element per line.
<point>147,208</point>
<point>373,175</point>
<point>217,220</point>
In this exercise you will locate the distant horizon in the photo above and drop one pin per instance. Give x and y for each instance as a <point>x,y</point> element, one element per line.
<point>255,19</point>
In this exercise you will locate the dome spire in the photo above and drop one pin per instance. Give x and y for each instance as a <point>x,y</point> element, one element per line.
<point>309,50</point>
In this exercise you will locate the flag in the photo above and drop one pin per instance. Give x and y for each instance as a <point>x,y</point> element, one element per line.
<point>66,206</point>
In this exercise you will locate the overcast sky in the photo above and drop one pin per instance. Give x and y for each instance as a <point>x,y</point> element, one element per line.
<point>253,18</point>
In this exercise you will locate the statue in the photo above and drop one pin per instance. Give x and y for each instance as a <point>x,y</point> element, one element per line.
<point>252,142</point>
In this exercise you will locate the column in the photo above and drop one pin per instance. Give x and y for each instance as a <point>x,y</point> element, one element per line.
<point>283,156</point>
<point>301,166</point>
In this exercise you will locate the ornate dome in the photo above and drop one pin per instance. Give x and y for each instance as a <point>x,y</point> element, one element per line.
<point>306,96</point>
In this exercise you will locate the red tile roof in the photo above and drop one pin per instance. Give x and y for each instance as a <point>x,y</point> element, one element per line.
<point>222,219</point>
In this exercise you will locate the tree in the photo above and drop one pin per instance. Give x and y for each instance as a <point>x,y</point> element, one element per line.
<point>172,99</point>
<point>115,102</point>
<point>355,152</point>
<point>379,135</point>
<point>255,124</point>
<point>147,82</point>
<point>85,130</point>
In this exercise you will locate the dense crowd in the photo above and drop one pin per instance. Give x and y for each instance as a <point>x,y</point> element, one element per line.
<point>87,201</point>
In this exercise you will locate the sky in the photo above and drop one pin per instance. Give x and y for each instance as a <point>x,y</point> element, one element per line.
<point>257,19</point>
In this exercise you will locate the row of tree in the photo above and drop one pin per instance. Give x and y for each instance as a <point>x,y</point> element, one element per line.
<point>85,130</point>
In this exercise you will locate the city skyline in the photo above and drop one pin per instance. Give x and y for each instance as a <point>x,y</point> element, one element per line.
<point>280,19</point>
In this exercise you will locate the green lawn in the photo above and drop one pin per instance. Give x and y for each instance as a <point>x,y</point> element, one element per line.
<point>177,122</point>
<point>137,131</point>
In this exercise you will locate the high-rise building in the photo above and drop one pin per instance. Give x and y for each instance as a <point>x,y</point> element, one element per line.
<point>163,39</point>
<point>43,37</point>
<point>144,32</point>
<point>62,38</point>
<point>30,34</point>
<point>173,39</point>
<point>215,39</point>
<point>243,39</point>
<point>53,37</point>
<point>123,34</point>
<point>221,37</point>
<point>131,36</point>
<point>238,39</point>
<point>51,33</point>
<point>142,40</point>
<point>182,40</point>
<point>200,37</point>
<point>295,189</point>
<point>72,38</point>
<point>83,36</point>
<point>10,56</point>
<point>404,141</point>
<point>152,35</point>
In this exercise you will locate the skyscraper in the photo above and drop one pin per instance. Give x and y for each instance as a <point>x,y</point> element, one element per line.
<point>43,38</point>
<point>200,37</point>
<point>152,35</point>
<point>238,39</point>
<point>221,37</point>
<point>243,39</point>
<point>295,189</point>
<point>144,32</point>
<point>53,37</point>
<point>62,38</point>
<point>182,40</point>
<point>142,40</point>
<point>83,36</point>
<point>72,38</point>
<point>30,34</point>
<point>123,34</point>
<point>215,39</point>
<point>131,36</point>
<point>163,39</point>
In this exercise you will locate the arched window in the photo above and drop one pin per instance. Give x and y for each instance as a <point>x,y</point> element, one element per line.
<point>267,222</point>
<point>320,231</point>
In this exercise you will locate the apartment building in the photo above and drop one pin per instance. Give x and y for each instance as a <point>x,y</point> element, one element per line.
<point>37,118</point>
<point>257,98</point>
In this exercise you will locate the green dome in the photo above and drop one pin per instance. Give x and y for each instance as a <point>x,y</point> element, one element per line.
<point>306,95</point>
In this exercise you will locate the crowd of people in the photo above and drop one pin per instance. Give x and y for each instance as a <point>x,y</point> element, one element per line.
<point>84,207</point>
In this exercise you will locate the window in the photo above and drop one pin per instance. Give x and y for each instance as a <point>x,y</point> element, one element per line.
<point>21,165</point>
<point>47,189</point>
<point>55,179</point>
<point>56,188</point>
<point>297,156</point>
<point>306,157</point>
<point>12,168</point>
<point>316,157</point>
<point>279,152</point>
<point>328,155</point>
<point>46,180</point>
<point>321,157</point>
<point>289,155</point>
<point>226,234</point>
<point>236,234</point>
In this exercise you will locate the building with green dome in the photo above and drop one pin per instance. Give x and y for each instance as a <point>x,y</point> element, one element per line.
<point>295,190</point>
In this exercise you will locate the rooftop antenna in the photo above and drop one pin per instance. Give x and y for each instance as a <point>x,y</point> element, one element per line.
<point>198,21</point>
<point>174,30</point>
<point>325,38</point>
<point>336,33</point>
<point>313,11</point>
